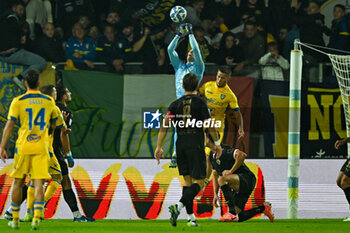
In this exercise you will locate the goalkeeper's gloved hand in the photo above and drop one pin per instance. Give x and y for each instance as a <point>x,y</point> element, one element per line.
<point>188,28</point>
<point>182,30</point>
<point>70,159</point>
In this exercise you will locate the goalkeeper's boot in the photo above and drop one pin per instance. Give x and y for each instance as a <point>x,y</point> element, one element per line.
<point>173,162</point>
<point>13,224</point>
<point>174,213</point>
<point>28,217</point>
<point>347,219</point>
<point>8,215</point>
<point>268,211</point>
<point>191,223</point>
<point>228,217</point>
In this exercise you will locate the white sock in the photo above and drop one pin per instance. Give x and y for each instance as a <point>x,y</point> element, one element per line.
<point>9,210</point>
<point>188,217</point>
<point>192,217</point>
<point>180,206</point>
<point>77,214</point>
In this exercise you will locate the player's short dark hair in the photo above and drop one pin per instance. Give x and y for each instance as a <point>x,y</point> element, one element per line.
<point>32,79</point>
<point>61,91</point>
<point>340,6</point>
<point>190,82</point>
<point>225,69</point>
<point>47,89</point>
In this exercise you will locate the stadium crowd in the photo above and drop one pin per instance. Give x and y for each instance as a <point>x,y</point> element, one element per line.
<point>229,32</point>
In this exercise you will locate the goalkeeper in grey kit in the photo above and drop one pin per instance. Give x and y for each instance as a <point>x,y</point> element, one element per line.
<point>194,64</point>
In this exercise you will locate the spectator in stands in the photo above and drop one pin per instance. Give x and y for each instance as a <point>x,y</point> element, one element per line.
<point>80,49</point>
<point>339,33</point>
<point>113,49</point>
<point>85,21</point>
<point>11,42</point>
<point>48,46</point>
<point>94,33</point>
<point>253,45</point>
<point>113,19</point>
<point>283,31</point>
<point>38,12</point>
<point>68,11</point>
<point>311,29</point>
<point>273,63</point>
<point>194,11</point>
<point>230,52</point>
<point>261,11</point>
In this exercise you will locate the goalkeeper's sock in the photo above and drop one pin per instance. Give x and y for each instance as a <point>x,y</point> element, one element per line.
<point>30,197</point>
<point>229,197</point>
<point>347,194</point>
<point>248,214</point>
<point>51,189</point>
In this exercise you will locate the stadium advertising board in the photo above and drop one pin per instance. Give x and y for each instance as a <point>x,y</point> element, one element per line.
<point>322,120</point>
<point>140,189</point>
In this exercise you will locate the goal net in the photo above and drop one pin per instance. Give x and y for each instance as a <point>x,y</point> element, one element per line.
<point>341,67</point>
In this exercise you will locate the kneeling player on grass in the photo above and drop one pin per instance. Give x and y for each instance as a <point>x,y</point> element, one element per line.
<point>343,180</point>
<point>236,182</point>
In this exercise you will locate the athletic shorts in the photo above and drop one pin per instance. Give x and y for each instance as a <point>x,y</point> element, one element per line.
<point>37,166</point>
<point>61,161</point>
<point>54,166</point>
<point>346,168</point>
<point>191,161</point>
<point>246,186</point>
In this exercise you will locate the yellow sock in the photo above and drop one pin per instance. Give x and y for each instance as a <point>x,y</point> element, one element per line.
<point>15,211</point>
<point>30,197</point>
<point>38,208</point>
<point>51,189</point>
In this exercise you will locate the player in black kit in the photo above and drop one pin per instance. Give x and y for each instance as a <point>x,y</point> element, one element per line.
<point>63,97</point>
<point>236,182</point>
<point>343,180</point>
<point>188,115</point>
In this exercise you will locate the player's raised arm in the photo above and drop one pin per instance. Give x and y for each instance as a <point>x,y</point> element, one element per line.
<point>196,51</point>
<point>173,56</point>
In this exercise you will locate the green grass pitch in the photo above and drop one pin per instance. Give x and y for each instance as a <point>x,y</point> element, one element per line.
<point>210,226</point>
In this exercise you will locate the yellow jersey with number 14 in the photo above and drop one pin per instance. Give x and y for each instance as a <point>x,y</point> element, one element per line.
<point>218,99</point>
<point>33,112</point>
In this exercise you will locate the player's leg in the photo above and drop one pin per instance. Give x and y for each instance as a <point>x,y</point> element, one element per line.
<point>68,194</point>
<point>229,185</point>
<point>8,212</point>
<point>30,202</point>
<point>21,164</point>
<point>343,182</point>
<point>39,172</point>
<point>208,174</point>
<point>56,175</point>
<point>16,202</point>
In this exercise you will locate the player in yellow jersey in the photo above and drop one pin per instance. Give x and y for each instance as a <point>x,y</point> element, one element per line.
<point>54,166</point>
<point>34,113</point>
<point>221,99</point>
